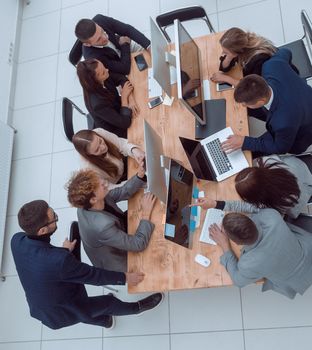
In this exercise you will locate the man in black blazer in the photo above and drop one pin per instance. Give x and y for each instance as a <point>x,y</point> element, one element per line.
<point>110,41</point>
<point>284,101</point>
<point>53,279</point>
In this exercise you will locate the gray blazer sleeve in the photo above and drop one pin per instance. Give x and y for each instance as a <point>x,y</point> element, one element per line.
<point>239,276</point>
<point>127,190</point>
<point>114,237</point>
<point>240,206</point>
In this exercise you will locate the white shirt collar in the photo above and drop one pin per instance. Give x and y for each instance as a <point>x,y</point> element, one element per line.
<point>268,105</point>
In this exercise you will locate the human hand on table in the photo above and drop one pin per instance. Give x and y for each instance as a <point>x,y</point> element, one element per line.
<point>220,237</point>
<point>232,143</point>
<point>205,203</point>
<point>132,104</point>
<point>220,77</point>
<point>138,154</point>
<point>147,204</point>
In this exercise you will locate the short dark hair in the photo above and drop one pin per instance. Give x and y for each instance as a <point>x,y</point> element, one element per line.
<point>240,228</point>
<point>33,215</point>
<point>251,89</point>
<point>85,29</point>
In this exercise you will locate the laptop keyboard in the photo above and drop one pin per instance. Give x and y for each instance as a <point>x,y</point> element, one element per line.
<point>219,157</point>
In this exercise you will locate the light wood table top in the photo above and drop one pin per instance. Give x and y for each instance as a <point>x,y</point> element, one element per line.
<point>168,266</point>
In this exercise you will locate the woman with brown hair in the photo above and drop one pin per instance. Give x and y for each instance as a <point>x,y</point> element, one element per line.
<point>109,110</point>
<point>105,152</point>
<point>246,49</point>
<point>283,183</point>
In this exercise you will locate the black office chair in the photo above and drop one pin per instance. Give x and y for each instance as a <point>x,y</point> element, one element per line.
<point>185,14</point>
<point>300,57</point>
<point>67,114</point>
<point>75,53</point>
<point>303,221</point>
<point>74,234</point>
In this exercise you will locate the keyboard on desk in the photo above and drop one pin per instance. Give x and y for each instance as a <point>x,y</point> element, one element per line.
<point>213,216</point>
<point>219,157</point>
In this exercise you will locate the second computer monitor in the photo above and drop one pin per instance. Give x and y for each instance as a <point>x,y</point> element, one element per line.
<point>160,64</point>
<point>189,76</point>
<point>154,160</point>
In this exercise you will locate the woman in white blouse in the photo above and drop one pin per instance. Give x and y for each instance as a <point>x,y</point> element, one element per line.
<point>104,152</point>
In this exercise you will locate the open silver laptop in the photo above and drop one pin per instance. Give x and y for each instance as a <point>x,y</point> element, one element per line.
<point>209,161</point>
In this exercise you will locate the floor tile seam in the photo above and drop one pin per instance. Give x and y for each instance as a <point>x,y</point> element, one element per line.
<point>242,6</point>
<point>41,14</point>
<point>42,154</point>
<point>218,22</point>
<point>282,21</point>
<point>65,339</point>
<point>172,333</point>
<point>75,5</point>
<point>275,328</point>
<point>242,316</point>
<point>20,341</point>
<point>54,114</point>
<point>169,318</point>
<point>37,58</point>
<point>42,104</point>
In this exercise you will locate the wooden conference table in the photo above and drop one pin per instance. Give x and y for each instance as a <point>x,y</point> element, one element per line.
<point>168,266</point>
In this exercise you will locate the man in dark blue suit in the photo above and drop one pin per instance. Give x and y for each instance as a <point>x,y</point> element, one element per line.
<point>110,41</point>
<point>284,101</point>
<point>53,279</point>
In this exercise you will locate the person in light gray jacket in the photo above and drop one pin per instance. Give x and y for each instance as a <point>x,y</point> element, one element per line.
<point>102,225</point>
<point>283,183</point>
<point>272,249</point>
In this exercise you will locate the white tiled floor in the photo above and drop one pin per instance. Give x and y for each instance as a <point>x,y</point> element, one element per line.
<point>224,318</point>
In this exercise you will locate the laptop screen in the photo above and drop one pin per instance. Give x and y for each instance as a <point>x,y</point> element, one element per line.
<point>178,215</point>
<point>196,156</point>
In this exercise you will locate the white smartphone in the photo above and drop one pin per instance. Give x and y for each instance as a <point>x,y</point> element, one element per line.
<point>224,86</point>
<point>155,102</point>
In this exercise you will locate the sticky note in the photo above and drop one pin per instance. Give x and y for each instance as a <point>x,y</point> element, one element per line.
<point>195,192</point>
<point>192,225</point>
<point>169,230</point>
<point>194,211</point>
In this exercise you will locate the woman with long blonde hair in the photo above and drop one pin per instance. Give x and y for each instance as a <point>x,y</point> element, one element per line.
<point>105,153</point>
<point>246,49</point>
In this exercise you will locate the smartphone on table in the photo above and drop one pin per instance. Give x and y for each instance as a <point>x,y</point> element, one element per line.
<point>155,102</point>
<point>140,61</point>
<point>224,86</point>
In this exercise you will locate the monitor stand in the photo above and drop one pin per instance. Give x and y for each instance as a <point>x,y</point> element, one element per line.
<point>215,111</point>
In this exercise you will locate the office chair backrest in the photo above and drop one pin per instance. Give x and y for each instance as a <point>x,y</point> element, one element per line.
<point>307,28</point>
<point>185,14</point>
<point>75,53</point>
<point>67,114</point>
<point>307,159</point>
<point>302,221</point>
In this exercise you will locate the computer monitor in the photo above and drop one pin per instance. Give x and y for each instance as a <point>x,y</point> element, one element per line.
<point>189,76</point>
<point>178,214</point>
<point>210,114</point>
<point>155,163</point>
<point>161,58</point>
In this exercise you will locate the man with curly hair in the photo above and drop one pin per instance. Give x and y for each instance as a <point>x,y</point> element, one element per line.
<point>102,225</point>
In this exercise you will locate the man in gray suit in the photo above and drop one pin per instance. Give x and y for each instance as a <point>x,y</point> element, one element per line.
<point>102,225</point>
<point>272,249</point>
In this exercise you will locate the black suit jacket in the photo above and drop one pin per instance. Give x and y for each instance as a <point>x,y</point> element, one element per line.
<point>53,281</point>
<point>106,108</point>
<point>108,56</point>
